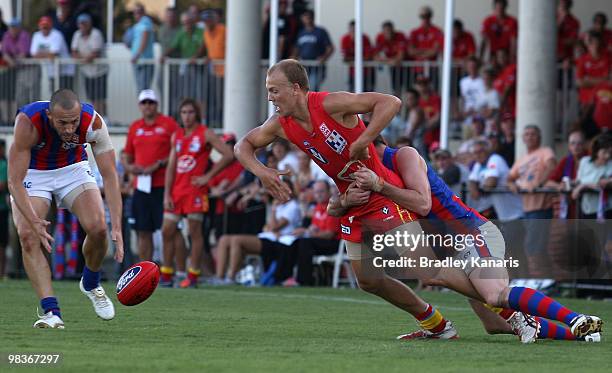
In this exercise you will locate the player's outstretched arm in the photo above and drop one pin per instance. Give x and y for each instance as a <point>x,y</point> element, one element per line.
<point>383,108</point>
<point>25,137</point>
<point>104,153</point>
<point>260,137</point>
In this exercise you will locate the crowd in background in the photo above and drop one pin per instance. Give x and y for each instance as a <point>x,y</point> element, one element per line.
<point>242,219</point>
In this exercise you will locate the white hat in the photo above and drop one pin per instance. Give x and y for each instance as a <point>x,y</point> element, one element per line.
<point>147,94</point>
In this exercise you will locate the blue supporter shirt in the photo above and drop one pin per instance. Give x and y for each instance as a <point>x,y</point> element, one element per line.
<point>139,29</point>
<point>312,44</point>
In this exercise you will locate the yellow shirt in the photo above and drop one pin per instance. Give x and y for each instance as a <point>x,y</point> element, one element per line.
<point>215,46</point>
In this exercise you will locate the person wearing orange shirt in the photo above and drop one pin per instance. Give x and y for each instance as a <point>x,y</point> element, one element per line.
<point>214,45</point>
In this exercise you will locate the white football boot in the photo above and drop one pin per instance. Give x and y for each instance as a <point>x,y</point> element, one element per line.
<point>449,332</point>
<point>49,321</point>
<point>101,302</point>
<point>525,326</point>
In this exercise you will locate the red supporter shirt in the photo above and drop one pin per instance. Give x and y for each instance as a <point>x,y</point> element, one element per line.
<point>426,37</point>
<point>507,79</point>
<point>567,30</point>
<point>149,143</point>
<point>390,47</point>
<point>463,46</point>
<point>499,32</point>
<point>589,67</point>
<point>347,45</point>
<point>431,106</point>
<point>602,115</point>
<point>229,173</point>
<point>191,160</point>
<point>325,222</point>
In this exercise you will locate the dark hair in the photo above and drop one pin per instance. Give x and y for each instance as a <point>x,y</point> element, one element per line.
<point>601,15</point>
<point>474,59</point>
<point>308,12</point>
<point>458,24</point>
<point>195,105</point>
<point>602,141</point>
<point>294,71</point>
<point>282,142</point>
<point>414,92</point>
<point>352,22</point>
<point>388,24</point>
<point>595,35</point>
<point>503,2</point>
<point>63,97</point>
<point>380,140</point>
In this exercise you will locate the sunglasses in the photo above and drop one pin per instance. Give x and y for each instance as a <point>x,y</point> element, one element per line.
<point>148,102</point>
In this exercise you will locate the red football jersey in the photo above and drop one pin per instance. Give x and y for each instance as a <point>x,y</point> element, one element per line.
<point>602,97</point>
<point>390,47</point>
<point>463,45</point>
<point>566,30</point>
<point>587,66</point>
<point>499,32</point>
<point>191,160</point>
<point>426,38</point>
<point>328,145</point>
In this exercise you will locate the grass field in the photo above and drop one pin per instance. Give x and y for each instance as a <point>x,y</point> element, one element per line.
<point>276,330</point>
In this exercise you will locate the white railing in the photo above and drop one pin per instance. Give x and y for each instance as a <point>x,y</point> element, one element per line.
<point>113,84</point>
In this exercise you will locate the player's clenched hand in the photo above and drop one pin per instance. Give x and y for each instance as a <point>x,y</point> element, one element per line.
<point>117,238</point>
<point>358,151</point>
<point>40,227</point>
<point>270,178</point>
<point>366,179</point>
<point>356,196</point>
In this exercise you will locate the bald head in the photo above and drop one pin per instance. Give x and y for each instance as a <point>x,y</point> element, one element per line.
<point>64,99</point>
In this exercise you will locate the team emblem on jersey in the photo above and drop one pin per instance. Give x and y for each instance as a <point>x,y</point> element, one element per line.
<point>72,143</point>
<point>195,145</point>
<point>185,163</point>
<point>315,153</point>
<point>160,130</point>
<point>324,130</point>
<point>336,142</point>
<point>140,132</point>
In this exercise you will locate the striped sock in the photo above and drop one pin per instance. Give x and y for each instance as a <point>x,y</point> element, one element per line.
<point>535,303</point>
<point>49,304</point>
<point>431,320</point>
<point>193,275</point>
<point>551,330</point>
<point>505,313</point>
<point>166,273</point>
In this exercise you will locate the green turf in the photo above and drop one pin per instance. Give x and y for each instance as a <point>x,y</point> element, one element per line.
<point>276,330</point>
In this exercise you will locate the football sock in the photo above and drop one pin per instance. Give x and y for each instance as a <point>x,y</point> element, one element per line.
<point>193,275</point>
<point>167,273</point>
<point>551,330</point>
<point>536,303</point>
<point>431,320</point>
<point>91,279</point>
<point>505,313</point>
<point>49,304</point>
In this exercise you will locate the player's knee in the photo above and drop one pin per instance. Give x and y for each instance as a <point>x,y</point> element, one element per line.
<point>96,232</point>
<point>492,298</point>
<point>29,240</point>
<point>168,230</point>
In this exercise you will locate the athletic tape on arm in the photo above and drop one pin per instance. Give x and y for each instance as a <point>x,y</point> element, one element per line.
<point>97,135</point>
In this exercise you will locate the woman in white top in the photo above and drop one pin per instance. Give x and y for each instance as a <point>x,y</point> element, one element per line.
<point>595,173</point>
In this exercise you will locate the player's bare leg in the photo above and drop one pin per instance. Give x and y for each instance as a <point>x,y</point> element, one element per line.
<point>145,245</point>
<point>180,252</point>
<point>197,244</point>
<point>168,235</point>
<point>34,259</point>
<point>89,209</point>
<point>491,321</point>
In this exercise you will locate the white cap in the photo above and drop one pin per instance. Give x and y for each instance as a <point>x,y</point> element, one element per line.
<point>147,94</point>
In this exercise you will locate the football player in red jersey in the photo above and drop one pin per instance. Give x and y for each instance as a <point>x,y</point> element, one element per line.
<point>47,161</point>
<point>186,188</point>
<point>326,127</point>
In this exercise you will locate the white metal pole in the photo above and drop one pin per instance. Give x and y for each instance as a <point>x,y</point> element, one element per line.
<point>273,54</point>
<point>358,71</point>
<point>110,5</point>
<point>446,75</point>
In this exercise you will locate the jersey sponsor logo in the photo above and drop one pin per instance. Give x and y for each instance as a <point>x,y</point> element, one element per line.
<point>140,132</point>
<point>385,210</point>
<point>160,130</point>
<point>185,163</point>
<point>315,153</point>
<point>324,130</point>
<point>127,278</point>
<point>345,229</point>
<point>195,145</point>
<point>336,142</point>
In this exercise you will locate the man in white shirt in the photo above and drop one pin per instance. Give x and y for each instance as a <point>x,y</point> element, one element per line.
<point>49,43</point>
<point>87,45</point>
<point>472,88</point>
